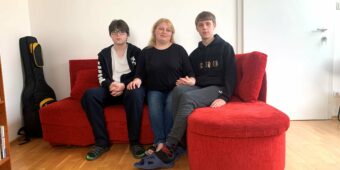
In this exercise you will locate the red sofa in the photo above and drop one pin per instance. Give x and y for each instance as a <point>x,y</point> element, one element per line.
<point>246,133</point>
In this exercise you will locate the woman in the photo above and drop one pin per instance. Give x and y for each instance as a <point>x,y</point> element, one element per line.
<point>162,63</point>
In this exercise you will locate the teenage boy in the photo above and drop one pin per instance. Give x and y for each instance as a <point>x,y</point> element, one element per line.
<point>213,62</point>
<point>116,68</point>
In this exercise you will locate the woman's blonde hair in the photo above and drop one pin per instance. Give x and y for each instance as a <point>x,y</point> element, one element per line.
<point>152,41</point>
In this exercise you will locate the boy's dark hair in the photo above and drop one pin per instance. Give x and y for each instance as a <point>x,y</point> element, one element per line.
<point>119,25</point>
<point>204,16</point>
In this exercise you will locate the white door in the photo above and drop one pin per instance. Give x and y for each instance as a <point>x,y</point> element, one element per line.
<point>297,37</point>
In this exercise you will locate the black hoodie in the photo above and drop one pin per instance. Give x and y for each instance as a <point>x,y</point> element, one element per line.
<point>105,65</point>
<point>215,64</point>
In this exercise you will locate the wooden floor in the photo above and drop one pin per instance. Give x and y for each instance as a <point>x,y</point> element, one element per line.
<point>311,145</point>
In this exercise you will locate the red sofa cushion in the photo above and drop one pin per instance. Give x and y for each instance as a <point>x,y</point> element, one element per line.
<point>239,119</point>
<point>250,73</point>
<point>85,79</point>
<point>82,64</point>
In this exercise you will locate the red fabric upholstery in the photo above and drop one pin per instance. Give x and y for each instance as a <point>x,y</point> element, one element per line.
<point>250,72</point>
<point>262,153</point>
<point>64,122</point>
<point>77,65</point>
<point>85,79</point>
<point>239,119</point>
<point>240,135</point>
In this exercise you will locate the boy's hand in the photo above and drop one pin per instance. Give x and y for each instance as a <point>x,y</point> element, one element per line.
<point>116,88</point>
<point>116,93</point>
<point>217,103</point>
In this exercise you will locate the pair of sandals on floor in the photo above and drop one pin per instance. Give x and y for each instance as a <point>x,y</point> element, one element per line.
<point>151,161</point>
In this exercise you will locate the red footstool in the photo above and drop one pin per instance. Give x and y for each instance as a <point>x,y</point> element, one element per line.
<point>238,136</point>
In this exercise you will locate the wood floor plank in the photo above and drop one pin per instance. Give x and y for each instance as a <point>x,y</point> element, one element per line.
<point>310,145</point>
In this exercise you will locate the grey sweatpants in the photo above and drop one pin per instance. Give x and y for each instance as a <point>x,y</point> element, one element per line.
<point>185,100</point>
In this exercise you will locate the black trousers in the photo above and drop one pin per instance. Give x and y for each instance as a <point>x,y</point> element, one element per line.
<point>93,102</point>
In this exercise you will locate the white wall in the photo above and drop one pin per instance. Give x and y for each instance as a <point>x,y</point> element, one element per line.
<point>79,29</point>
<point>14,23</point>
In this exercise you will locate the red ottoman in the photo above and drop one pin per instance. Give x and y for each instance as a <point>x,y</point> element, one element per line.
<point>237,136</point>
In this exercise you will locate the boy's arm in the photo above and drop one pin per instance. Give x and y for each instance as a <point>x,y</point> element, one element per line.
<point>130,76</point>
<point>140,69</point>
<point>229,73</point>
<point>102,73</point>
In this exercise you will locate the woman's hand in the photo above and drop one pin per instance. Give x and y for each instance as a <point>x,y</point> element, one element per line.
<point>134,84</point>
<point>190,81</point>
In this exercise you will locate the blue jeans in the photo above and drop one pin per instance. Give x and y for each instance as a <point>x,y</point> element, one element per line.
<point>161,116</point>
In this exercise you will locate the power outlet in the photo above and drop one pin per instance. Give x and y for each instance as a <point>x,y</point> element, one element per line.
<point>337,5</point>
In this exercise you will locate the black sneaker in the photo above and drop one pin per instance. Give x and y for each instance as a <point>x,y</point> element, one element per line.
<point>137,151</point>
<point>95,152</point>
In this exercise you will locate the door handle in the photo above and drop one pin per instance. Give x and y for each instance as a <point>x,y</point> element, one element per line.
<point>321,29</point>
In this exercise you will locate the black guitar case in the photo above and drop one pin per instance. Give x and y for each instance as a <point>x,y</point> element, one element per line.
<point>36,93</point>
